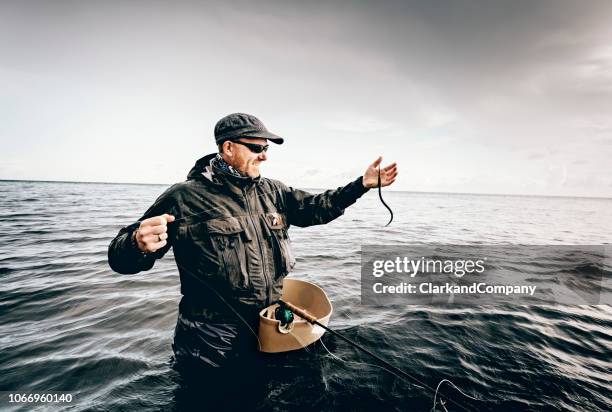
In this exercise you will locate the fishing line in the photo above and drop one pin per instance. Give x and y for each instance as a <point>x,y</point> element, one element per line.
<point>333,356</point>
<point>390,371</point>
<point>296,337</point>
<point>381,198</point>
<point>358,363</point>
<point>433,408</point>
<point>396,371</point>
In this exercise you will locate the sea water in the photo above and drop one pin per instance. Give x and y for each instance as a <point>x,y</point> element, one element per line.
<point>70,324</point>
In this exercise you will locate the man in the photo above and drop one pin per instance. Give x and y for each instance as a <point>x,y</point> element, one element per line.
<point>228,228</point>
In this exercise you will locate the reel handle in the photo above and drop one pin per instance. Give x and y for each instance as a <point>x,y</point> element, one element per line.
<point>302,313</point>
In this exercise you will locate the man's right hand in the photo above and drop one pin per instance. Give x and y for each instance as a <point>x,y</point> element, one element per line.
<point>152,233</point>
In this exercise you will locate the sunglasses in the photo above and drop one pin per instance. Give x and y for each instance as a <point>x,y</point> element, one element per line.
<point>255,148</point>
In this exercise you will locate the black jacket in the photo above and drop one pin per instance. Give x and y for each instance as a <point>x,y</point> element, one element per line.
<point>230,235</point>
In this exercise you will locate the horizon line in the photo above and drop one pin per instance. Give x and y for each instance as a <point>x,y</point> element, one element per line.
<point>397,191</point>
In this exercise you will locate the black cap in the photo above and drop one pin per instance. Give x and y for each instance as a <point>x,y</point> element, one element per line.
<point>237,125</point>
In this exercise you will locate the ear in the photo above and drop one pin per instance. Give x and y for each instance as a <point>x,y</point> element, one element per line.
<point>227,148</point>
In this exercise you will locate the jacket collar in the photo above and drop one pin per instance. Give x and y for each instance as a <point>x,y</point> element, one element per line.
<point>205,169</point>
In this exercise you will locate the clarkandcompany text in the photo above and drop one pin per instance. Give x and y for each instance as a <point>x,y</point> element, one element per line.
<point>428,288</point>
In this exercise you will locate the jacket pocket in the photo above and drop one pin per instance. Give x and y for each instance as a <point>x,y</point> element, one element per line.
<point>227,236</point>
<point>276,226</point>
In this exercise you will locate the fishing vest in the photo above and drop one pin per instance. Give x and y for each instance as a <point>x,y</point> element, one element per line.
<point>230,237</point>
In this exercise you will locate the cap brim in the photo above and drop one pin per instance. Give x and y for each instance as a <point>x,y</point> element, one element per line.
<point>267,135</point>
<point>255,134</point>
<point>262,135</point>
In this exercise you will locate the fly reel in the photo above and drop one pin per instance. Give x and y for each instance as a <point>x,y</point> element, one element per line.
<point>285,316</point>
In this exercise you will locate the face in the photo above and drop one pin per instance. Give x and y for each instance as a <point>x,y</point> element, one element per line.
<point>242,158</point>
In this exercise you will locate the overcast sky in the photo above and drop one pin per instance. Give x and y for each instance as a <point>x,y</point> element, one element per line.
<point>467,96</point>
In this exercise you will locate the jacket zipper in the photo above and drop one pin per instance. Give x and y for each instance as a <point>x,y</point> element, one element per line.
<point>261,250</point>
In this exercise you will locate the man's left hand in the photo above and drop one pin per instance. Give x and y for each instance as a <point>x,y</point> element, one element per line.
<point>387,174</point>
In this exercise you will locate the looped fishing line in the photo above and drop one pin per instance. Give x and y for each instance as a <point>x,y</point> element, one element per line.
<point>433,408</point>
<point>381,198</point>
